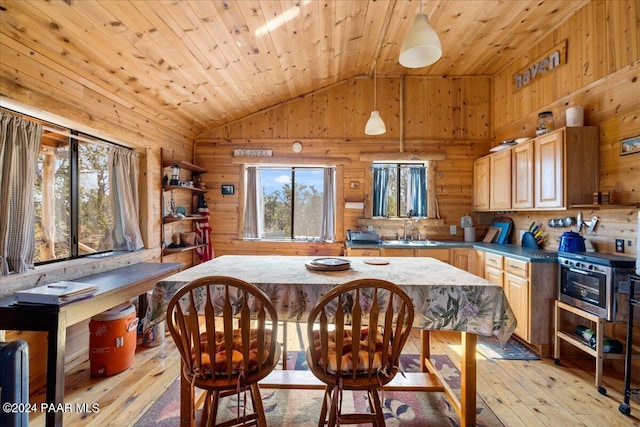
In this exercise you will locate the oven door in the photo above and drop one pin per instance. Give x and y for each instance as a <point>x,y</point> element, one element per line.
<point>587,290</point>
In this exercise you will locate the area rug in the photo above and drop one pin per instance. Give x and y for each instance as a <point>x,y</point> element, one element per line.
<point>301,408</point>
<point>491,348</point>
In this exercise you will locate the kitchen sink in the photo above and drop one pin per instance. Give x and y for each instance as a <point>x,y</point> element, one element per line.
<point>410,243</point>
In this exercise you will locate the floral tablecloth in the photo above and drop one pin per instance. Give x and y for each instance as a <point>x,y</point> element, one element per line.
<point>444,297</point>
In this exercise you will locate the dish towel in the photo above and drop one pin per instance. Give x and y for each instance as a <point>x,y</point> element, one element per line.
<point>203,235</point>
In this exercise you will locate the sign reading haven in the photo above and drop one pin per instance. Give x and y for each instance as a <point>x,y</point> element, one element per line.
<point>551,60</point>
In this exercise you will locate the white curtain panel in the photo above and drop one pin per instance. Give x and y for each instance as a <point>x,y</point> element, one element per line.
<point>328,205</point>
<point>123,179</point>
<point>253,205</point>
<point>19,147</point>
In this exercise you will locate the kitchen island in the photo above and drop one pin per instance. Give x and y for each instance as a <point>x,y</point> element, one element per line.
<point>444,298</point>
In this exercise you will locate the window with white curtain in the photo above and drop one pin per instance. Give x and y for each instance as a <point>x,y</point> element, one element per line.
<point>399,190</point>
<point>74,213</point>
<point>73,198</point>
<point>290,203</point>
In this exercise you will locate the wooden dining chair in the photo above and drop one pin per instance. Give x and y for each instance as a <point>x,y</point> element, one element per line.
<point>226,332</point>
<point>356,333</point>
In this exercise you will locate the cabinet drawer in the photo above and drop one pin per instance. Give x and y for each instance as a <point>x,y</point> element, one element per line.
<point>397,252</point>
<point>516,267</point>
<point>493,260</point>
<point>439,254</point>
<point>363,252</point>
<point>494,275</point>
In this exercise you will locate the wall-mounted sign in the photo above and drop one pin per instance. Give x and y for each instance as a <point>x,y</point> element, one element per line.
<point>542,65</point>
<point>241,152</point>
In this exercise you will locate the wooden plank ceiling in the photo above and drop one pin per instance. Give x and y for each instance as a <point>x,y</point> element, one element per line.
<point>205,63</point>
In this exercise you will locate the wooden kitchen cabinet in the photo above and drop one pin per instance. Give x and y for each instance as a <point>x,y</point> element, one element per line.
<point>398,252</point>
<point>462,258</point>
<point>440,254</point>
<point>552,171</point>
<point>522,172</point>
<point>493,268</point>
<point>566,167</point>
<point>500,180</point>
<point>516,287</point>
<point>481,182</point>
<point>531,290</point>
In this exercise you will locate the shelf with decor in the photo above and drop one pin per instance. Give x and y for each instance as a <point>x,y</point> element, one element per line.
<point>168,219</point>
<point>183,165</point>
<point>181,185</point>
<point>184,187</point>
<point>168,251</point>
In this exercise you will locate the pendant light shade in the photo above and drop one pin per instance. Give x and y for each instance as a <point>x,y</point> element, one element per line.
<point>421,46</point>
<point>375,125</point>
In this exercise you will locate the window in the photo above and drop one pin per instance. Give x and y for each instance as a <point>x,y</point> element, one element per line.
<point>399,190</point>
<point>74,216</point>
<point>291,203</point>
<point>68,194</point>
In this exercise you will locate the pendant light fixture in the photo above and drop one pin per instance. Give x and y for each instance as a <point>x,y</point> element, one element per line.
<point>421,46</point>
<point>375,125</point>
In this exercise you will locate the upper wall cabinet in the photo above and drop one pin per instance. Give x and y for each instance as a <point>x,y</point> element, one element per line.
<point>522,192</point>
<point>481,181</point>
<point>500,181</point>
<point>552,171</point>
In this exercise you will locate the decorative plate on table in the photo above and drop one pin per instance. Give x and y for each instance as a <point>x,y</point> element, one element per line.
<point>328,264</point>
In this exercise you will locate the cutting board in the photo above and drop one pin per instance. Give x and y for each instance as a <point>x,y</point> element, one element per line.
<point>505,228</point>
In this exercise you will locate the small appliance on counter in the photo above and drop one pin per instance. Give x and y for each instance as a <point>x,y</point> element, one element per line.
<point>363,236</point>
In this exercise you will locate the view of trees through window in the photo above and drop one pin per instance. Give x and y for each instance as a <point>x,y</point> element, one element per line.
<point>398,185</point>
<point>292,214</point>
<point>72,201</point>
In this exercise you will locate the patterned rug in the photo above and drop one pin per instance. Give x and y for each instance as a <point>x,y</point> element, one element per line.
<point>301,408</point>
<point>490,348</point>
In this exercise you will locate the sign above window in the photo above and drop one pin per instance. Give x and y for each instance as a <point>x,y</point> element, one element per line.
<point>241,152</point>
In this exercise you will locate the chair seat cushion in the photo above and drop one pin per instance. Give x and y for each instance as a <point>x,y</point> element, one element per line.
<point>361,359</point>
<point>220,362</point>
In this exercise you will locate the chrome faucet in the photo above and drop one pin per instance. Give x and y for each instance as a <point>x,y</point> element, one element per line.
<point>408,222</point>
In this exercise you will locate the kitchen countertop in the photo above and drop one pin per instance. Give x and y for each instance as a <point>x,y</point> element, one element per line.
<point>514,251</point>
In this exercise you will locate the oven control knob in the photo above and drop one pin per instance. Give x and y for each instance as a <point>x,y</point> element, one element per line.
<point>578,264</point>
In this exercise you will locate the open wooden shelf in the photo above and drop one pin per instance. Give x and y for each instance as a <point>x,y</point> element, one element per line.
<point>168,219</point>
<point>169,251</point>
<point>183,187</point>
<point>183,165</point>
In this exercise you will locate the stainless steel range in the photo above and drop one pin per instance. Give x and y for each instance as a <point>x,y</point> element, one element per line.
<point>593,281</point>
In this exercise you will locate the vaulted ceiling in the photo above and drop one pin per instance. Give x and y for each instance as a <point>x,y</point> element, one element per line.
<point>205,63</point>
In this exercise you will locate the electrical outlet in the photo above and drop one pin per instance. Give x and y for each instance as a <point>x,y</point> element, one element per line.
<point>620,246</point>
<point>452,229</point>
<point>522,234</point>
<point>369,227</point>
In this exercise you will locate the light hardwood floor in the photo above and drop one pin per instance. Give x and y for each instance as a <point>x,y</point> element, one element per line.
<point>521,393</point>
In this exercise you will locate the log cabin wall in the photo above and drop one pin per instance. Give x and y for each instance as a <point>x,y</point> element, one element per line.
<point>34,85</point>
<point>601,74</point>
<point>442,115</point>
